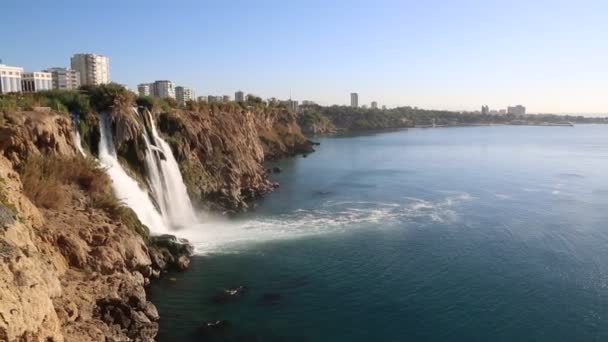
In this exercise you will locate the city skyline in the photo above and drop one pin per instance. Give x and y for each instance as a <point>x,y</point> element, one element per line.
<point>456,58</point>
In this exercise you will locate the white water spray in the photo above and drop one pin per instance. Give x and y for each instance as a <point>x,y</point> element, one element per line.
<point>126,188</point>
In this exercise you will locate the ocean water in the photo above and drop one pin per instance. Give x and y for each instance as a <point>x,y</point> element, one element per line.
<point>449,234</point>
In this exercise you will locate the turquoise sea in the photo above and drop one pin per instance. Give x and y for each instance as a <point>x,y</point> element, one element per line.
<point>450,234</point>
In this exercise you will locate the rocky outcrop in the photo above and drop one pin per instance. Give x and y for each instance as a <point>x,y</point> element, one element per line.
<point>27,134</point>
<point>314,123</point>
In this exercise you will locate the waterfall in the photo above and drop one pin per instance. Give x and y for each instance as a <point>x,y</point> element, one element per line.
<point>76,134</point>
<point>126,188</point>
<point>165,177</point>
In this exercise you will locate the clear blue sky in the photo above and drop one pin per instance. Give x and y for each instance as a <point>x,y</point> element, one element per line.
<point>551,56</point>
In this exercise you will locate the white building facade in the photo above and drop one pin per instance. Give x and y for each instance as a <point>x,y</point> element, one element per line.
<point>32,82</point>
<point>10,79</point>
<point>163,89</point>
<point>94,69</point>
<point>64,79</point>
<point>144,89</point>
<point>183,95</point>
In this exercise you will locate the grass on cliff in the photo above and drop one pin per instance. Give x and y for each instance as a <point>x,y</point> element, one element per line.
<point>45,179</point>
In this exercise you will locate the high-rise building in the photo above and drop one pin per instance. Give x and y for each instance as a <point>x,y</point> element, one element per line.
<point>144,89</point>
<point>374,105</point>
<point>226,98</point>
<point>354,100</point>
<point>65,79</point>
<point>383,107</point>
<point>163,89</point>
<point>10,79</point>
<point>32,82</point>
<point>517,110</point>
<point>183,95</point>
<point>94,69</point>
<point>239,96</point>
<point>485,110</point>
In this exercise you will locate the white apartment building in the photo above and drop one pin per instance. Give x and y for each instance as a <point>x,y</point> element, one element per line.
<point>163,89</point>
<point>94,69</point>
<point>183,95</point>
<point>144,89</point>
<point>64,79</point>
<point>32,82</point>
<point>10,79</point>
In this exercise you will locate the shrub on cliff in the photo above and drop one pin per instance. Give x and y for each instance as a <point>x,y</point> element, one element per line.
<point>107,97</point>
<point>45,179</point>
<point>71,100</point>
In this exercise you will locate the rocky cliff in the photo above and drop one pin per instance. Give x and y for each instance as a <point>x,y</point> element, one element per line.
<point>221,149</point>
<point>74,261</point>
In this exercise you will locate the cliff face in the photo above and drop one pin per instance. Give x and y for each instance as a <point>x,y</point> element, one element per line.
<point>221,149</point>
<point>73,265</point>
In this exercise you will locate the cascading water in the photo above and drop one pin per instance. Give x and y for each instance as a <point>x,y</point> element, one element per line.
<point>125,187</point>
<point>76,134</point>
<point>165,177</point>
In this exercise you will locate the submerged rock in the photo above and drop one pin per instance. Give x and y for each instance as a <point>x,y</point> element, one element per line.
<point>277,170</point>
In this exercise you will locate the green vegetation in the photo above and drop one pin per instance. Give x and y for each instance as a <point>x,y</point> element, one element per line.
<point>348,118</point>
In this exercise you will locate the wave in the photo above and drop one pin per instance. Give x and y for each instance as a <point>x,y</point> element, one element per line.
<point>219,235</point>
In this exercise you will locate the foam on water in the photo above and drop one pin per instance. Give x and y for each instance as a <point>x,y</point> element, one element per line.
<point>231,236</point>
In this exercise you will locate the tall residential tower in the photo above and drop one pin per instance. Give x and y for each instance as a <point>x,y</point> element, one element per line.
<point>94,69</point>
<point>354,100</point>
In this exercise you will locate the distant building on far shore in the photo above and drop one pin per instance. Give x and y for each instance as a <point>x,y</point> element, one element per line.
<point>239,96</point>
<point>502,112</point>
<point>383,107</point>
<point>64,78</point>
<point>354,100</point>
<point>485,110</point>
<point>32,82</point>
<point>374,105</point>
<point>226,98</point>
<point>517,110</point>
<point>202,99</point>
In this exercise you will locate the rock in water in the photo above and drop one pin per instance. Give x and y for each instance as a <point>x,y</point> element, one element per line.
<point>169,252</point>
